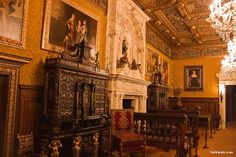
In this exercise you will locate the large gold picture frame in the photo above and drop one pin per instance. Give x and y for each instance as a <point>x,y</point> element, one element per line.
<point>152,62</point>
<point>58,14</point>
<point>165,72</point>
<point>13,19</point>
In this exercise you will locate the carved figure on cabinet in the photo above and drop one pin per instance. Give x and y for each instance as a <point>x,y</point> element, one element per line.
<point>157,77</point>
<point>54,146</point>
<point>97,62</point>
<point>95,138</point>
<point>76,150</point>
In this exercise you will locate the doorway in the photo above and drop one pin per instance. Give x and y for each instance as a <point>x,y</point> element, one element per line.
<point>230,103</point>
<point>4,80</point>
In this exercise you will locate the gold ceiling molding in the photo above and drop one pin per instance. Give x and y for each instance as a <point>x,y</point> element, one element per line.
<point>196,52</point>
<point>103,4</point>
<point>182,24</point>
<point>153,38</point>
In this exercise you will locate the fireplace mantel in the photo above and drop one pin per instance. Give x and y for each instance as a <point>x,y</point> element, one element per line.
<point>126,49</point>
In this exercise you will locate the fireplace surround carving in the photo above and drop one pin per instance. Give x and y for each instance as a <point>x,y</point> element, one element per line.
<point>126,48</point>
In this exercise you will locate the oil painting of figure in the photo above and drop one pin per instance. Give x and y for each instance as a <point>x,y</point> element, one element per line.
<point>11,19</point>
<point>193,78</point>
<point>69,26</point>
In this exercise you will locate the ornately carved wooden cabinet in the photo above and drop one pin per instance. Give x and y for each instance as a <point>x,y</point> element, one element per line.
<point>76,112</point>
<point>157,97</point>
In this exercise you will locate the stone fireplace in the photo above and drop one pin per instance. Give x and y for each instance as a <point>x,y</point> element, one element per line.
<point>126,48</point>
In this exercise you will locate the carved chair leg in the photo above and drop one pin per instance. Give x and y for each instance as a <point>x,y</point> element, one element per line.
<point>206,136</point>
<point>190,147</point>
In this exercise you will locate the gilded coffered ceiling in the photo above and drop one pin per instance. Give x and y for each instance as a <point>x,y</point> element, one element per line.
<point>178,28</point>
<point>182,25</point>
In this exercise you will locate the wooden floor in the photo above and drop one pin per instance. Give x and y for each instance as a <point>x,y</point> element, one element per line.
<point>223,144</point>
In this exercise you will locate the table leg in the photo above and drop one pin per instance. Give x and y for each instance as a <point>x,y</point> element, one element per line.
<point>205,146</point>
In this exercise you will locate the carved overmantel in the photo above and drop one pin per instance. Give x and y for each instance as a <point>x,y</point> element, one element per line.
<point>10,66</point>
<point>126,48</point>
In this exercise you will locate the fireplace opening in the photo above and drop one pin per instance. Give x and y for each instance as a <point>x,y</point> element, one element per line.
<point>4,79</point>
<point>127,104</point>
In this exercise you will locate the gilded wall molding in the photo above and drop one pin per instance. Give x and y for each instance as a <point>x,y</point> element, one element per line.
<point>196,52</point>
<point>153,39</point>
<point>102,4</point>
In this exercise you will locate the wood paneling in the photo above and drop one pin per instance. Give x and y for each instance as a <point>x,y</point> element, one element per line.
<point>29,110</point>
<point>208,105</point>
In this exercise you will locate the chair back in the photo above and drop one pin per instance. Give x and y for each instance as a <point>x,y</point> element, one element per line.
<point>25,144</point>
<point>122,119</point>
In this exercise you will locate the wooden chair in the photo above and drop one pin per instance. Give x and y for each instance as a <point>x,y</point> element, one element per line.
<point>25,145</point>
<point>124,138</point>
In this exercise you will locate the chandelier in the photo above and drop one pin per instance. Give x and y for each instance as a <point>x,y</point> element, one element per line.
<point>223,20</point>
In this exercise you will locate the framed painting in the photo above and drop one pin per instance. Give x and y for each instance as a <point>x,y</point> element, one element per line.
<point>165,72</point>
<point>193,78</point>
<point>13,16</point>
<point>65,21</point>
<point>152,62</point>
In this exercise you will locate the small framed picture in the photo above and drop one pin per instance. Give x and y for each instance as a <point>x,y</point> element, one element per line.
<point>193,78</point>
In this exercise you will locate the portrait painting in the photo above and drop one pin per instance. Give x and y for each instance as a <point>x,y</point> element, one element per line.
<point>65,23</point>
<point>193,78</point>
<point>152,62</point>
<point>165,71</point>
<point>13,22</point>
